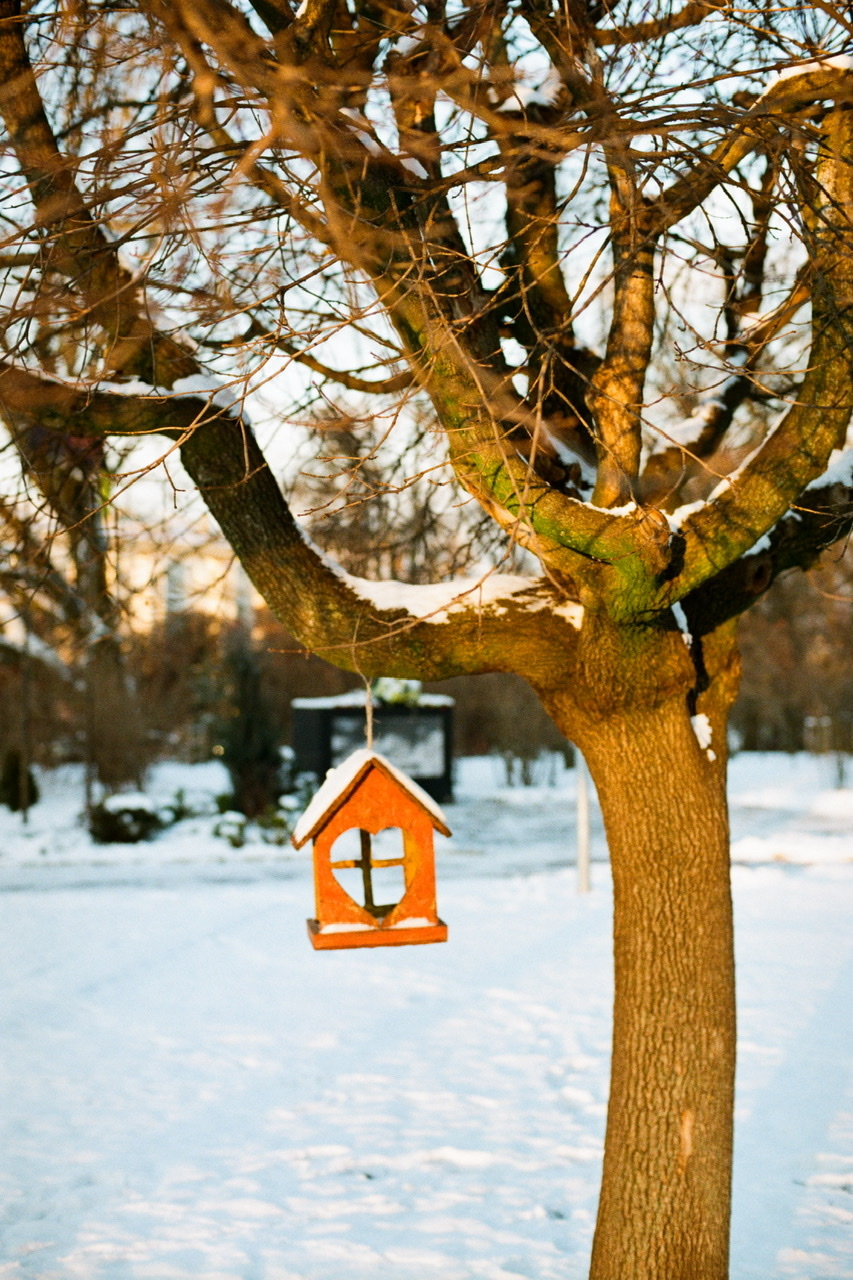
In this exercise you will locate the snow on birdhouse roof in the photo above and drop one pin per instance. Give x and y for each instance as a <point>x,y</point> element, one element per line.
<point>343,780</point>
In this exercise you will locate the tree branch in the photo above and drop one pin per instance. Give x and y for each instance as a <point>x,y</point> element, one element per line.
<point>691,15</point>
<point>667,471</point>
<point>795,91</point>
<point>822,517</point>
<point>617,385</point>
<point>370,386</point>
<point>507,625</point>
<point>754,498</point>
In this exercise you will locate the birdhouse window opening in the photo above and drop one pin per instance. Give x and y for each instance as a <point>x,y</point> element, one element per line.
<point>370,868</point>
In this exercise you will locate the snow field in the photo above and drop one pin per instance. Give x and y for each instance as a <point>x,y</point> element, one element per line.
<point>188,1090</point>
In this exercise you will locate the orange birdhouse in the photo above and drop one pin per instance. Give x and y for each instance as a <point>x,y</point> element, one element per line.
<point>359,801</point>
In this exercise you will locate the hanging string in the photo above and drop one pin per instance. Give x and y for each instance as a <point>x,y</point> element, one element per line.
<point>368,711</point>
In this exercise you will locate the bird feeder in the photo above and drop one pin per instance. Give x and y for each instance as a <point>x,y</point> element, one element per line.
<point>368,794</point>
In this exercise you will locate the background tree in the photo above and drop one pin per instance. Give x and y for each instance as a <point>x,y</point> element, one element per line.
<point>63,677</point>
<point>56,578</point>
<point>523,215</point>
<point>796,653</point>
<point>250,736</point>
<point>363,506</point>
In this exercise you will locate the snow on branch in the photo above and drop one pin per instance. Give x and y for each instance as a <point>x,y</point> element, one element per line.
<point>198,386</point>
<point>839,471</point>
<point>835,62</point>
<point>435,602</point>
<point>528,95</point>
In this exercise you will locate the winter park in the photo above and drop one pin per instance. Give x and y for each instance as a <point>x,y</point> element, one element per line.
<point>189,1090</point>
<point>426,691</point>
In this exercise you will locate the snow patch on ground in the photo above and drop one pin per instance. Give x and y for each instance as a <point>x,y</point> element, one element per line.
<point>780,804</point>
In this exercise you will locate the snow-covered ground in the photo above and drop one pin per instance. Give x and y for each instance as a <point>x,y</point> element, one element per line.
<point>188,1090</point>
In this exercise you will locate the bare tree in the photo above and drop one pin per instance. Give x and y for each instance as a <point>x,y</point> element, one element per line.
<point>66,602</point>
<point>610,247</point>
<point>798,669</point>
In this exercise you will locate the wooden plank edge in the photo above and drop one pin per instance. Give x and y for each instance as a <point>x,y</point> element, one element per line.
<point>412,936</point>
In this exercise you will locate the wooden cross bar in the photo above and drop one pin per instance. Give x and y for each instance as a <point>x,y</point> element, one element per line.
<point>367,863</point>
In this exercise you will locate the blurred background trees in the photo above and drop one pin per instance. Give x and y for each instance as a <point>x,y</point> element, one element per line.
<point>237,277</point>
<point>111,656</point>
<point>200,677</point>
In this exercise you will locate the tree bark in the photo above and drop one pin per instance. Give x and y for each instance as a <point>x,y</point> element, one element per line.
<point>666,1187</point>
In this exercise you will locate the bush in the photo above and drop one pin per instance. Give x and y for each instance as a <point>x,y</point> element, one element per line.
<point>177,810</point>
<point>276,825</point>
<point>123,819</point>
<point>232,827</point>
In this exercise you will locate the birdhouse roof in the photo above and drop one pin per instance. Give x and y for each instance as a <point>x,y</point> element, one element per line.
<point>340,783</point>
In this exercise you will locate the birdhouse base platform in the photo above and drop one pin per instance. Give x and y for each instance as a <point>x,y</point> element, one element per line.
<point>334,940</point>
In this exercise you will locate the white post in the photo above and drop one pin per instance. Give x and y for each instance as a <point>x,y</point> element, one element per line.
<point>244,599</point>
<point>176,595</point>
<point>582,776</point>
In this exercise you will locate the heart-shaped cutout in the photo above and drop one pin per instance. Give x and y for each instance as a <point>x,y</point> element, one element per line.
<point>376,888</point>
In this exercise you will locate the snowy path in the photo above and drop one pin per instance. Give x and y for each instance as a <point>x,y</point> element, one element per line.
<point>187,1090</point>
<point>190,1088</point>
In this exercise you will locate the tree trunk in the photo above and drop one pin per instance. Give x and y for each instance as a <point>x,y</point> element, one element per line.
<point>117,750</point>
<point>666,1188</point>
<point>665,1198</point>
